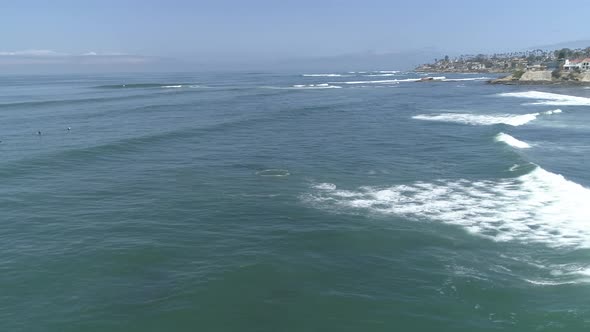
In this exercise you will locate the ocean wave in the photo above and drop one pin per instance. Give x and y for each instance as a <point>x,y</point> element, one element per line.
<point>273,172</point>
<point>514,167</point>
<point>380,81</point>
<point>324,75</point>
<point>546,98</point>
<point>513,142</point>
<point>371,82</point>
<point>315,86</point>
<point>549,282</point>
<point>147,85</point>
<point>542,272</point>
<point>538,207</point>
<point>380,75</point>
<point>75,101</point>
<point>484,120</point>
<point>325,186</point>
<point>395,81</point>
<point>557,111</point>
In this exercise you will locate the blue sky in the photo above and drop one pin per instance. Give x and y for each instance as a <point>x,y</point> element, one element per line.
<point>212,30</point>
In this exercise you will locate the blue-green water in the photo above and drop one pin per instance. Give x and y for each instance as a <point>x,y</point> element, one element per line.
<point>284,202</point>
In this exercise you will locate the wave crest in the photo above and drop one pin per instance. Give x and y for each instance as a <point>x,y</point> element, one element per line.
<point>540,207</point>
<point>315,86</point>
<point>513,142</point>
<point>323,75</point>
<point>546,98</point>
<point>147,85</point>
<point>477,119</point>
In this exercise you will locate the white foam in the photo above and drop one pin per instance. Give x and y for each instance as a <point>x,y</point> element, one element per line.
<point>316,86</point>
<point>539,207</point>
<point>325,186</point>
<point>548,282</point>
<point>171,86</point>
<point>557,111</point>
<point>388,71</point>
<point>395,81</point>
<point>376,82</point>
<point>546,98</point>
<point>323,75</point>
<point>485,120</point>
<point>380,75</point>
<point>513,142</point>
<point>481,120</point>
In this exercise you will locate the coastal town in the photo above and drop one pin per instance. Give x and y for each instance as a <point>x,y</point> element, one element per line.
<point>508,62</point>
<point>538,66</point>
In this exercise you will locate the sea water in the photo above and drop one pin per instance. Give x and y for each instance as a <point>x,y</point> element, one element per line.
<point>346,201</point>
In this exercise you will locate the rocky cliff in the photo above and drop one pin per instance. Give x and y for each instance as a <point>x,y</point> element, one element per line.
<point>545,77</point>
<point>541,75</point>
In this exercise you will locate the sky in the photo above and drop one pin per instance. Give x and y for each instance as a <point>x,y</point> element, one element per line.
<point>250,30</point>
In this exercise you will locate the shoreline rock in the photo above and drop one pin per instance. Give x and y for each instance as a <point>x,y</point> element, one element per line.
<point>544,77</point>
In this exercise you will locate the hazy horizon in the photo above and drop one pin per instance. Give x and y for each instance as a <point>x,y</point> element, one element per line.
<point>185,35</point>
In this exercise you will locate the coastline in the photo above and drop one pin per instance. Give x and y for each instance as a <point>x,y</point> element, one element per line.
<point>526,82</point>
<point>462,71</point>
<point>526,78</point>
<point>544,77</point>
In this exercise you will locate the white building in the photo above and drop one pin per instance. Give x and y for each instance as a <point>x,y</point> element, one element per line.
<point>581,64</point>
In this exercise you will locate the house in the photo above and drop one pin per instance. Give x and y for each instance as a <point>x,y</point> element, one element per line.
<point>571,64</point>
<point>580,64</point>
<point>519,63</point>
<point>476,66</point>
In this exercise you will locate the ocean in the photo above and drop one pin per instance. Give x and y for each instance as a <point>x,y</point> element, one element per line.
<point>254,201</point>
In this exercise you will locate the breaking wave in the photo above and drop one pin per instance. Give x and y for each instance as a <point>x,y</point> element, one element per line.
<point>513,142</point>
<point>323,75</point>
<point>380,75</point>
<point>148,85</point>
<point>546,98</point>
<point>484,120</point>
<point>316,86</point>
<point>539,207</point>
<point>439,78</point>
